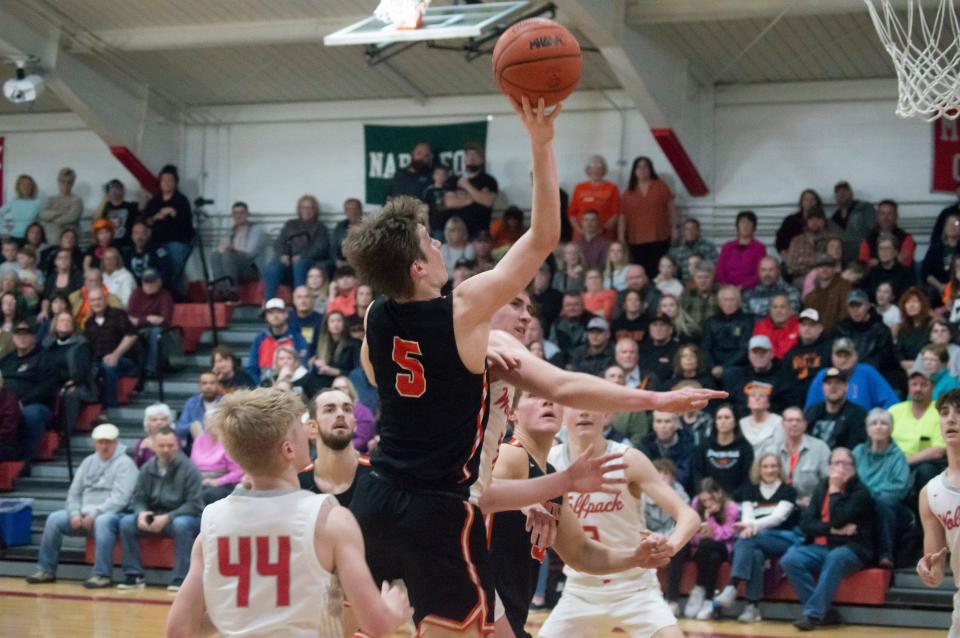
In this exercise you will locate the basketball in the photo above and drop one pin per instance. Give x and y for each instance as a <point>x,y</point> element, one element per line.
<point>537,58</point>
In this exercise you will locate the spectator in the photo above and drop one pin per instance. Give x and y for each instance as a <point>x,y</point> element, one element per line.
<point>689,364</point>
<point>637,280</point>
<point>483,252</point>
<point>226,366</point>
<point>277,334</point>
<point>886,222</point>
<point>71,360</point>
<point>711,545</point>
<point>15,441</point>
<point>631,427</point>
<point>433,196</point>
<point>853,274</point>
<point>766,531</point>
<point>691,243</point>
<point>854,219</point>
<point>22,210</point>
<point>659,522</point>
<point>120,213</point>
<point>456,245</point>
<point>836,420</point>
<point>802,254</point>
<point>11,248</point>
<point>155,418</point>
<point>414,178</point>
<point>648,215</point>
<point>888,268</point>
<point>68,242</point>
<point>700,300</point>
<point>698,422</point>
<point>570,329</point>
<point>597,299</point>
<point>936,263</point>
<point>794,223</point>
<point>472,195</point>
<point>915,326</point>
<point>667,440</point>
<point>11,310</point>
<point>763,367</point>
<point>31,280</point>
<point>170,220</point>
<point>29,376</point>
<point>782,326</point>
<point>80,299</point>
<point>569,277</point>
<point>726,456</point>
<point>118,280</point>
<point>303,318</point>
<point>287,373</point>
<point>686,329</point>
<point>344,299</point>
<point>64,209</point>
<point>549,300</point>
<point>726,334</point>
<point>534,335</point>
<point>916,430</point>
<point>151,312</point>
<point>870,335</point>
<point>236,256</point>
<point>111,336</point>
<point>810,354</point>
<point>597,354</point>
<point>167,500</point>
<point>36,238</point>
<point>865,386</point>
<point>740,258</point>
<point>336,352</point>
<point>884,471</point>
<point>219,473</point>
<point>102,231</point>
<point>596,194</point>
<point>195,409</point>
<point>319,288</point>
<point>64,280</point>
<point>935,362</point>
<point>593,243</point>
<point>769,284</point>
<point>953,209</point>
<point>301,244</point>
<point>352,217</point>
<point>657,353</point>
<point>666,279</point>
<point>951,293</point>
<point>838,528</point>
<point>761,428</point>
<point>504,232</point>
<point>887,308</point>
<point>365,435</point>
<point>139,254</point>
<point>829,298</point>
<point>804,457</point>
<point>100,490</point>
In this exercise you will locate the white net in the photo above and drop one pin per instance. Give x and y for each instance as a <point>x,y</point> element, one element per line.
<point>924,43</point>
<point>402,14</point>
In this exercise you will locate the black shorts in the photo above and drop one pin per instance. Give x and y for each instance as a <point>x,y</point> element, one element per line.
<point>436,544</point>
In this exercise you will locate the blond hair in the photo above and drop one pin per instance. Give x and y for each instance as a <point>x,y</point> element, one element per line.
<point>755,468</point>
<point>253,423</point>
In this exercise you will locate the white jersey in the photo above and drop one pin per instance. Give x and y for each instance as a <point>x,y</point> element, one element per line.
<point>944,502</point>
<point>261,576</point>
<point>501,402</point>
<point>613,519</point>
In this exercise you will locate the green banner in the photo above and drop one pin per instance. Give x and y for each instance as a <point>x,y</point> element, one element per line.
<point>388,150</point>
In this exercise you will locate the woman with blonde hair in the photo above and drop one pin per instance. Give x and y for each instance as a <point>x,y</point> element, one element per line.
<point>22,210</point>
<point>288,374</point>
<point>456,245</point>
<point>303,242</point>
<point>684,327</point>
<point>615,270</point>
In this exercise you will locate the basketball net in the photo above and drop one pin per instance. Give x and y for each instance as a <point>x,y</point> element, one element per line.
<point>402,14</point>
<point>925,48</point>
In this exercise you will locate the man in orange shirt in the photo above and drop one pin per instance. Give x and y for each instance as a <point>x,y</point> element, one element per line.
<point>345,301</point>
<point>595,194</point>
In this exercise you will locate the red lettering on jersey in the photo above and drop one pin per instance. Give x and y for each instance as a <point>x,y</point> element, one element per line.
<point>950,520</point>
<point>583,506</point>
<point>412,383</point>
<point>239,570</point>
<point>279,569</point>
<point>503,401</point>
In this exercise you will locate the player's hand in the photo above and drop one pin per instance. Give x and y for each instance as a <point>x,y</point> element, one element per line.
<point>396,602</point>
<point>588,474</point>
<point>653,551</point>
<point>542,526</point>
<point>538,122</point>
<point>687,399</point>
<point>930,568</point>
<point>745,528</point>
<point>502,357</point>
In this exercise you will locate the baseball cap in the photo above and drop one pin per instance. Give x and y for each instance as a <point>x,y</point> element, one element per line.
<point>598,323</point>
<point>275,304</point>
<point>915,370</point>
<point>760,342</point>
<point>25,327</point>
<point>105,431</point>
<point>857,297</point>
<point>844,344</point>
<point>150,274</point>
<point>766,388</point>
<point>824,259</point>
<point>834,373</point>
<point>663,318</point>
<point>811,314</point>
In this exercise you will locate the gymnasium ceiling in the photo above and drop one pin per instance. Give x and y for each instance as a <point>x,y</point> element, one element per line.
<point>199,52</point>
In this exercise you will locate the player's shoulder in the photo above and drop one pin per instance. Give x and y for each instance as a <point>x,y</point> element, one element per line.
<point>512,461</point>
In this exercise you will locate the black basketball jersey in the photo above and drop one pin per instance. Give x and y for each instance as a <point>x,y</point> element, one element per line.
<point>307,482</point>
<point>515,561</point>
<point>433,410</point>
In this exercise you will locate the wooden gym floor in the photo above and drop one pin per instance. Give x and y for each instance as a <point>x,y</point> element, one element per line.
<point>67,609</point>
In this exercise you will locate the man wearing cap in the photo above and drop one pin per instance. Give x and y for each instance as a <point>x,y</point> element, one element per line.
<point>100,490</point>
<point>151,311</point>
<point>837,421</point>
<point>810,354</point>
<point>761,366</point>
<point>782,326</point>
<point>853,217</point>
<point>725,334</point>
<point>829,297</point>
<point>916,429</point>
<point>871,336</point>
<point>27,373</point>
<point>865,385</point>
<point>597,354</point>
<point>757,300</point>
<point>277,334</point>
<point>111,337</point>
<point>657,351</point>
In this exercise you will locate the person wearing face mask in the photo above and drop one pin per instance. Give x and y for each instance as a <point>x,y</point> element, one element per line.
<point>472,195</point>
<point>415,178</point>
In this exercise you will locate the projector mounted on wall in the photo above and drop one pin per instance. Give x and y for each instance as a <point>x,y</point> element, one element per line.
<point>24,88</point>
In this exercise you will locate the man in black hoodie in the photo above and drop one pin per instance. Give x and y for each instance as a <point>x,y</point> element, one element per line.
<point>71,359</point>
<point>872,338</point>
<point>28,375</point>
<point>838,526</point>
<point>837,421</point>
<point>725,334</point>
<point>761,366</point>
<point>812,352</point>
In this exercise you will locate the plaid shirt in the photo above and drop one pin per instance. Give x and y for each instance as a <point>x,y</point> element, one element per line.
<point>682,252</point>
<point>757,299</point>
<point>700,307</point>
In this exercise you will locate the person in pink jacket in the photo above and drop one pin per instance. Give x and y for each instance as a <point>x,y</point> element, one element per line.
<point>739,258</point>
<point>712,545</point>
<point>220,473</point>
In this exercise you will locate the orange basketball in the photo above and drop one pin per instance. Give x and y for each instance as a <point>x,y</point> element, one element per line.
<point>537,58</point>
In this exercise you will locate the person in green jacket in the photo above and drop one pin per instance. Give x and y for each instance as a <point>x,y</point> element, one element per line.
<point>936,361</point>
<point>882,467</point>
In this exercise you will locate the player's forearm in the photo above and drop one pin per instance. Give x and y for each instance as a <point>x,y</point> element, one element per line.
<point>503,495</point>
<point>591,557</point>
<point>687,525</point>
<point>588,392</point>
<point>545,210</point>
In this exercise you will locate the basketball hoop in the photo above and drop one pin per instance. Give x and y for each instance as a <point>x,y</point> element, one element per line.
<point>402,14</point>
<point>924,45</point>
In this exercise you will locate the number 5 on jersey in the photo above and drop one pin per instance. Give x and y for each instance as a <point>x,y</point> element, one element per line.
<point>413,382</point>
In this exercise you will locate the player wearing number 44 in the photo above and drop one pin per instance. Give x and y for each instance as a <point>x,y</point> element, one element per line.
<point>277,560</point>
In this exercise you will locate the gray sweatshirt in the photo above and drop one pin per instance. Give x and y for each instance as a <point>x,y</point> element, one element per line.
<point>656,519</point>
<point>102,486</point>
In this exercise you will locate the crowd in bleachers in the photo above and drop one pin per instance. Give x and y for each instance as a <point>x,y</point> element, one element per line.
<point>834,343</point>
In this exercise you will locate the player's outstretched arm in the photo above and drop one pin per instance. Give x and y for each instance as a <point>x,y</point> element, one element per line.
<point>931,566</point>
<point>188,615</point>
<point>585,391</point>
<point>379,611</point>
<point>482,295</point>
<point>641,471</point>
